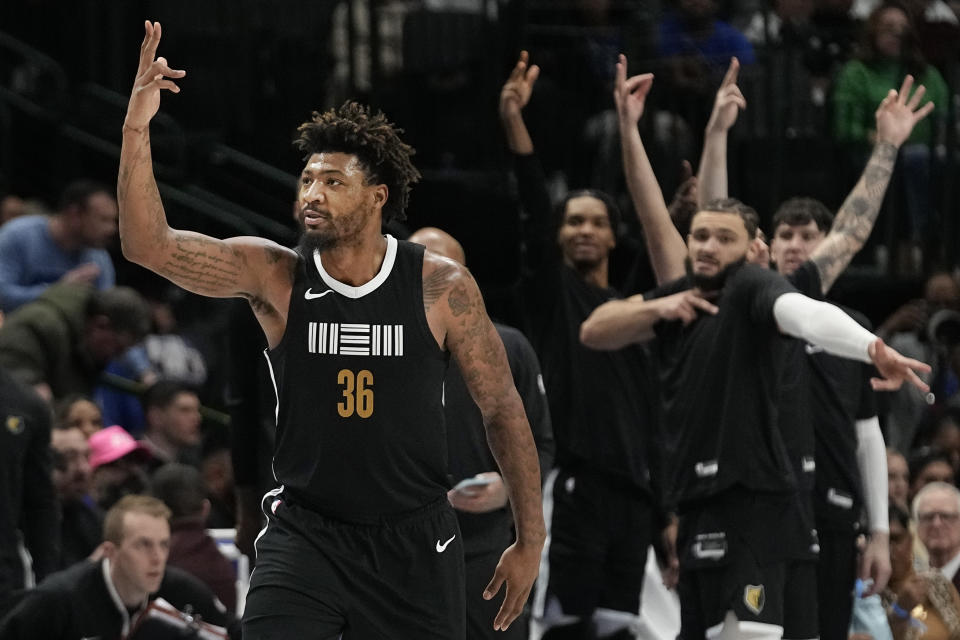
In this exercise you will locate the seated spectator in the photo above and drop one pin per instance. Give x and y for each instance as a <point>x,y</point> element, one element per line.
<point>181,488</point>
<point>119,465</point>
<point>61,342</point>
<point>172,412</point>
<point>890,51</point>
<point>929,465</point>
<point>11,206</point>
<point>936,510</point>
<point>69,246</point>
<point>216,467</point>
<point>908,331</point>
<point>926,597</point>
<point>28,510</point>
<point>104,599</point>
<point>898,476</point>
<point>76,410</point>
<point>81,519</point>
<point>943,432</point>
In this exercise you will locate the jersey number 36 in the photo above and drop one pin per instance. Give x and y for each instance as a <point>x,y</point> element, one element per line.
<point>357,393</point>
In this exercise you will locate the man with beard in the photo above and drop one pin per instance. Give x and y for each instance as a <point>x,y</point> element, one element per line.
<point>826,407</point>
<point>600,496</point>
<point>361,539</point>
<point>727,468</point>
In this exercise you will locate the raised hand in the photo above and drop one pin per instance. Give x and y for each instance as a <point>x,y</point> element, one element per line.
<point>152,76</point>
<point>630,94</point>
<point>895,368</point>
<point>898,113</point>
<point>519,86</point>
<point>729,101</point>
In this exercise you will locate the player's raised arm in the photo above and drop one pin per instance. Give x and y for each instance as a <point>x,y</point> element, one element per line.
<point>245,267</point>
<point>712,183</point>
<point>896,117</point>
<point>451,297</point>
<point>664,243</point>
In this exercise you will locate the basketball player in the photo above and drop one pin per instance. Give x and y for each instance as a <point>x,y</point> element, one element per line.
<point>361,541</point>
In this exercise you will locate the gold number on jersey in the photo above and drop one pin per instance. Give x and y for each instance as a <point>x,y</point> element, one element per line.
<point>357,393</point>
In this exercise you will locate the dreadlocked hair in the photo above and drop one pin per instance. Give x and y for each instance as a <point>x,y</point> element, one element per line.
<point>385,158</point>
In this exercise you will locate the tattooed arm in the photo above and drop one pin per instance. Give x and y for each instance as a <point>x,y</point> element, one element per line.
<point>896,117</point>
<point>253,268</point>
<point>457,316</point>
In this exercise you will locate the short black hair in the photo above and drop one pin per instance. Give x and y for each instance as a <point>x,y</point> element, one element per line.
<point>801,211</point>
<point>79,191</point>
<point>352,129</point>
<point>126,310</point>
<point>613,211</point>
<point>181,488</point>
<point>162,393</point>
<point>731,205</point>
<point>923,457</point>
<point>898,514</point>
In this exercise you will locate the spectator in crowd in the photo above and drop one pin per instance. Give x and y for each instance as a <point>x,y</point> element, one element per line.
<point>601,492</point>
<point>77,410</point>
<point>81,519</point>
<point>890,52</point>
<point>181,488</point>
<point>217,471</point>
<point>119,465</point>
<point>909,331</point>
<point>929,465</point>
<point>936,510</point>
<point>69,246</point>
<point>11,206</point>
<point>61,342</point>
<point>912,597</point>
<point>172,412</point>
<point>938,29</point>
<point>104,599</point>
<point>482,512</point>
<point>942,432</point>
<point>28,510</point>
<point>898,477</point>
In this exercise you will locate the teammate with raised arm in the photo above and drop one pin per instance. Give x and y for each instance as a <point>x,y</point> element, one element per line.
<point>361,540</point>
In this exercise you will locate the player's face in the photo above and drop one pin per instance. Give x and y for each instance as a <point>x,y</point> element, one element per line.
<point>792,245</point>
<point>585,236</point>
<point>716,240</point>
<point>99,220</point>
<point>334,201</point>
<point>938,522</point>
<point>71,475</point>
<point>140,559</point>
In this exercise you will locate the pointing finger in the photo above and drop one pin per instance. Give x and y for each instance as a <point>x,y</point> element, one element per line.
<point>731,76</point>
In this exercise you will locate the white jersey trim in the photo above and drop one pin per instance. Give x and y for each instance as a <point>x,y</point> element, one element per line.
<point>350,291</point>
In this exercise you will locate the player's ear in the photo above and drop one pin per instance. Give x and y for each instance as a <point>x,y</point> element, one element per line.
<point>380,194</point>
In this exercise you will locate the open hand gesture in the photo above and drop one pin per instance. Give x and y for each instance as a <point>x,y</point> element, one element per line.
<point>898,113</point>
<point>519,85</point>
<point>630,95</point>
<point>729,101</point>
<point>895,368</point>
<point>152,76</point>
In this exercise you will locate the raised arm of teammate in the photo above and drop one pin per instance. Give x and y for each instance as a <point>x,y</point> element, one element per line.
<point>896,117</point>
<point>253,268</point>
<point>712,174</point>
<point>457,315</point>
<point>514,96</point>
<point>664,243</point>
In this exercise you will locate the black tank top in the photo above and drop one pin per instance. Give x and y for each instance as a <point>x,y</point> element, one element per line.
<point>359,382</point>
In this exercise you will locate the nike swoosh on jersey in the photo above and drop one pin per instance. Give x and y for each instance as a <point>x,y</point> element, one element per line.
<point>313,296</point>
<point>443,547</point>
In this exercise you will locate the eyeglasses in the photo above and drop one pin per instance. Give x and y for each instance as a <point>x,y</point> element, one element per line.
<point>946,517</point>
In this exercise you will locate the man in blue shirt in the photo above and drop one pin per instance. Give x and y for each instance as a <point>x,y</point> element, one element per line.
<point>37,251</point>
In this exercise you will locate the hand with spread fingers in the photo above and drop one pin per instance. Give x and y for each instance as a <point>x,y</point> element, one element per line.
<point>518,88</point>
<point>630,94</point>
<point>153,75</point>
<point>518,568</point>
<point>900,111</point>
<point>895,369</point>
<point>728,103</point>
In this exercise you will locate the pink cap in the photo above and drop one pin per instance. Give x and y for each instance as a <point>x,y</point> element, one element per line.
<point>111,444</point>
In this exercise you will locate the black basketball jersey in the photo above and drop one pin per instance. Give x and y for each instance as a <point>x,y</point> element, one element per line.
<point>359,382</point>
